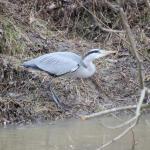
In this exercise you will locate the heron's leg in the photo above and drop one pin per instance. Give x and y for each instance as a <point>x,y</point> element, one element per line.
<point>54,95</point>
<point>56,98</point>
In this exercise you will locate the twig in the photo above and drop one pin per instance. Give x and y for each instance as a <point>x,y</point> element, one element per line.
<point>117,137</point>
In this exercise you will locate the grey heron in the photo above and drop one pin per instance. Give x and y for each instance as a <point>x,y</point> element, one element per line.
<point>67,63</point>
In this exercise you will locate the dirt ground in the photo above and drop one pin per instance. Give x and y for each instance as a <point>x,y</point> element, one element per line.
<point>24,93</point>
<point>26,98</point>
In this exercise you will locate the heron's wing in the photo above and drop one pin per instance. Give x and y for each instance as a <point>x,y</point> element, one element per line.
<point>56,64</point>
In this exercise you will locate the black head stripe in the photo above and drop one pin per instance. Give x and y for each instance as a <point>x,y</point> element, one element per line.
<point>91,52</point>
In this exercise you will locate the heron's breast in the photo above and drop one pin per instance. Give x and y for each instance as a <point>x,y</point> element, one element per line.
<point>83,72</point>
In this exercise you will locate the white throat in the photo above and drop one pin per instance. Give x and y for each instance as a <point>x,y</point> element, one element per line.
<point>87,69</point>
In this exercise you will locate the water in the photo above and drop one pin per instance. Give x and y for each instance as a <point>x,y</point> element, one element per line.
<point>74,135</point>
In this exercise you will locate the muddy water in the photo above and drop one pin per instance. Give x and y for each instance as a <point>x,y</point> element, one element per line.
<point>74,135</point>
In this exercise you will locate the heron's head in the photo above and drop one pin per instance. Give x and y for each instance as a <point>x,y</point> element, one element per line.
<point>97,53</point>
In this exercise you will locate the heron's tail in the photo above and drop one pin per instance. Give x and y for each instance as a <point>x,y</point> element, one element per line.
<point>28,64</point>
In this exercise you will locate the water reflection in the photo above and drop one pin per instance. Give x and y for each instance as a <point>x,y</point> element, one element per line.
<point>73,135</point>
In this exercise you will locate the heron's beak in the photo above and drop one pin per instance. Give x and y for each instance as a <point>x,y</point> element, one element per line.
<point>105,53</point>
<point>108,52</point>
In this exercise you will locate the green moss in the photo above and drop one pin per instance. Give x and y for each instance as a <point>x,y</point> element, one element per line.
<point>12,42</point>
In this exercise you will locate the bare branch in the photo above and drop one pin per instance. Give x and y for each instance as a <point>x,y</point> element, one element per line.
<point>133,45</point>
<point>138,109</point>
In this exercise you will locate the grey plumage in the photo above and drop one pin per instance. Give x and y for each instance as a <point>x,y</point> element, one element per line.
<point>60,63</point>
<point>56,64</point>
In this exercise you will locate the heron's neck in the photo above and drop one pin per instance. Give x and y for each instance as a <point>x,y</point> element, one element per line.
<point>88,60</point>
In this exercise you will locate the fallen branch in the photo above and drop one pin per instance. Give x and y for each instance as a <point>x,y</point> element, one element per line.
<point>105,112</point>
